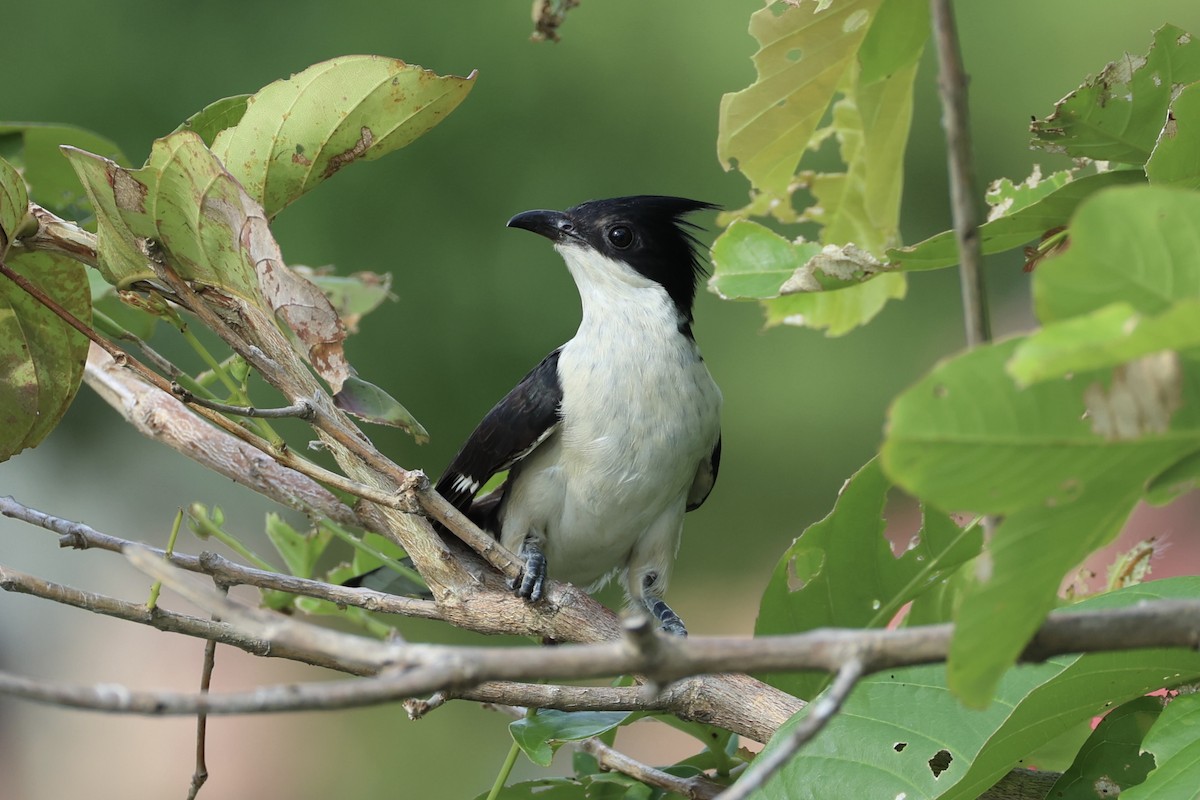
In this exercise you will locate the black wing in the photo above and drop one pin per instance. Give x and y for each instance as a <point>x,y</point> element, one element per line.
<point>706,478</point>
<point>511,430</point>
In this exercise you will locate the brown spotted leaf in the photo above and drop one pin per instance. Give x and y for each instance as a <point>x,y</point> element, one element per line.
<point>299,131</point>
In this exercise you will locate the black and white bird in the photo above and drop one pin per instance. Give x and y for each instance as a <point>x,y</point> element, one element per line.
<point>616,434</point>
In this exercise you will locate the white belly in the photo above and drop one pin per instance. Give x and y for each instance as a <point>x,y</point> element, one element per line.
<point>611,484</point>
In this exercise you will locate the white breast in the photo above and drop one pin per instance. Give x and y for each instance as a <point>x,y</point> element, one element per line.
<point>640,412</point>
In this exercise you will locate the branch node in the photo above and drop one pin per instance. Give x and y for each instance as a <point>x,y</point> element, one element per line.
<point>415,483</point>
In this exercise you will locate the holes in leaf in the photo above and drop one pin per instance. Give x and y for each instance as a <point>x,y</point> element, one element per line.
<point>794,54</point>
<point>940,762</point>
<point>899,746</point>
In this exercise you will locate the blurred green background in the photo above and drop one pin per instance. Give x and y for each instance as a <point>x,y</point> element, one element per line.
<point>626,103</point>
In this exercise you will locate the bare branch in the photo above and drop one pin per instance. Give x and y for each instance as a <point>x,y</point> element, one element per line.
<point>13,581</point>
<point>200,774</point>
<point>225,572</point>
<point>301,409</point>
<point>952,86</point>
<point>613,760</point>
<point>408,670</point>
<point>820,712</point>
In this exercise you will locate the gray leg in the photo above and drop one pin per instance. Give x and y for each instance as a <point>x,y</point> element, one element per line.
<point>532,582</point>
<point>658,608</point>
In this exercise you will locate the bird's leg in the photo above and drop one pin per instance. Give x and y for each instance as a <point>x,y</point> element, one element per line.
<point>532,582</point>
<point>651,598</point>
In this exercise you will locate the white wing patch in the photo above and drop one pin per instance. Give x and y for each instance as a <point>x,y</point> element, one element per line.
<point>464,483</point>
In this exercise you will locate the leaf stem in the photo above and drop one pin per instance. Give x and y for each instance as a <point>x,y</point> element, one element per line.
<point>505,770</point>
<point>152,602</point>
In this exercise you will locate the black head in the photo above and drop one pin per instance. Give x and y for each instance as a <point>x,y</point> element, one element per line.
<point>647,232</point>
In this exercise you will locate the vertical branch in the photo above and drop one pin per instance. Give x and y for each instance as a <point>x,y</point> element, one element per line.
<point>200,775</point>
<point>952,87</point>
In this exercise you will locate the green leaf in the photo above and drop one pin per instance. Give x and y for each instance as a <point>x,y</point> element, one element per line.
<point>541,734</point>
<point>1112,757</point>
<point>1108,337</point>
<point>1182,476</point>
<point>368,402</point>
<point>750,261</point>
<point>841,571</point>
<point>1016,228</point>
<point>541,789</point>
<point>804,52</point>
<point>1176,157</point>
<point>1135,245</point>
<point>213,234</point>
<point>121,259</point>
<point>41,357</point>
<point>1006,198</point>
<point>1176,750</point>
<point>34,149</point>
<point>216,117</point>
<point>299,551</point>
<point>353,296</point>
<point>299,131</point>
<point>1118,114</point>
<point>14,205</point>
<point>895,40</point>
<point>879,747</point>
<point>965,437</point>
<point>837,312</point>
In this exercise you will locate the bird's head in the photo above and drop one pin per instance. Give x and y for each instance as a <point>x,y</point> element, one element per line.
<point>643,239</point>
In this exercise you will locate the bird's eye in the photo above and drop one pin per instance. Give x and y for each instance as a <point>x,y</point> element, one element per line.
<point>620,236</point>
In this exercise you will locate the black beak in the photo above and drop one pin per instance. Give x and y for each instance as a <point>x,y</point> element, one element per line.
<point>554,225</point>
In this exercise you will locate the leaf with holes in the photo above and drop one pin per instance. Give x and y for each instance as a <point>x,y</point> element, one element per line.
<point>1118,114</point>
<point>841,571</point>
<point>299,131</point>
<point>1176,751</point>
<point>1111,760</point>
<point>1016,228</point>
<point>877,746</point>
<point>1176,157</point>
<point>804,51</point>
<point>1064,477</point>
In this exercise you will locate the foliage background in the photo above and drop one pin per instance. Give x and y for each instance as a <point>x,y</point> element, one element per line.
<point>627,103</point>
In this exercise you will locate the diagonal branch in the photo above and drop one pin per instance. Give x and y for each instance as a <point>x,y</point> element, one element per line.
<point>820,712</point>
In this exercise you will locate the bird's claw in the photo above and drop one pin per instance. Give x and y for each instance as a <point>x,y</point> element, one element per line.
<point>532,582</point>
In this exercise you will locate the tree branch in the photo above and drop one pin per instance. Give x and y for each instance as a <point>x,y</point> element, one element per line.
<point>952,87</point>
<point>407,670</point>
<point>227,573</point>
<point>820,712</point>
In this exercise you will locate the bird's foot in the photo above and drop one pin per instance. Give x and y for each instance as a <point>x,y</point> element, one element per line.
<point>532,582</point>
<point>667,618</point>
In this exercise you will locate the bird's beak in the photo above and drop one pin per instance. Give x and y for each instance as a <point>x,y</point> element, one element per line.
<point>554,225</point>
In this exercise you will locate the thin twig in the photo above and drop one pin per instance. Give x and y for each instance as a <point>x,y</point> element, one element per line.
<point>695,788</point>
<point>952,87</point>
<point>820,712</point>
<point>200,775</point>
<point>227,573</point>
<point>302,409</point>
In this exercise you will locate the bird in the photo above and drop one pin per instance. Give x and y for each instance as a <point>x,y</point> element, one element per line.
<point>614,435</point>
